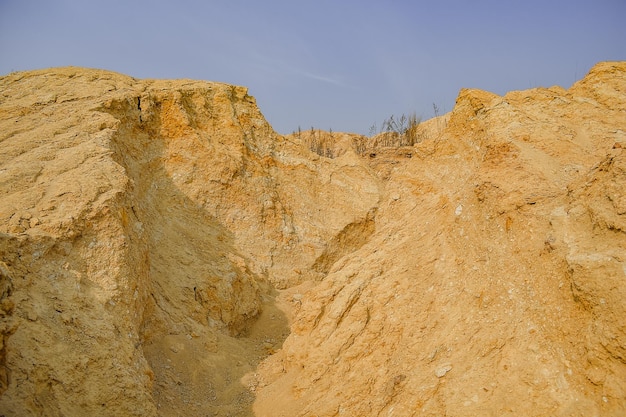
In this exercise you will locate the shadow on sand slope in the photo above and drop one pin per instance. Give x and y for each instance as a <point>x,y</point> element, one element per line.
<point>208,319</point>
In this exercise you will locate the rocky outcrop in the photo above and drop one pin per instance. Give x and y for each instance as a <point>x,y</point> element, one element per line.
<point>494,282</point>
<point>164,251</point>
<point>137,210</point>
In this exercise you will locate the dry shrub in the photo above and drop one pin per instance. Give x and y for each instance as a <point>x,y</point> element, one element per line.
<point>319,141</point>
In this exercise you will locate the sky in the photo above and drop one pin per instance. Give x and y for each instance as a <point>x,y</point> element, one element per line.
<point>343,65</point>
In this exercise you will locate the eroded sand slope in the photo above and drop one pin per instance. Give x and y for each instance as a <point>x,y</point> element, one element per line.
<point>164,252</point>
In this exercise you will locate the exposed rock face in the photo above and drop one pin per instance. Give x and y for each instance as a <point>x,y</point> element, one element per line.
<point>144,223</point>
<point>133,210</point>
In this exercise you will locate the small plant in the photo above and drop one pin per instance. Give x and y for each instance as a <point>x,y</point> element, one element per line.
<point>441,124</point>
<point>359,145</point>
<point>404,130</point>
<point>373,130</point>
<point>318,141</point>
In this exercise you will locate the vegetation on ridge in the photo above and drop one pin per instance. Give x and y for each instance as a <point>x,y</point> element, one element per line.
<point>395,131</point>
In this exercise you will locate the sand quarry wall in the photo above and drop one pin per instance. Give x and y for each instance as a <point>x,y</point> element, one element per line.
<point>164,252</point>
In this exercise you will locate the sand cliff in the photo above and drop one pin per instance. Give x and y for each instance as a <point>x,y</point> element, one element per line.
<point>164,252</point>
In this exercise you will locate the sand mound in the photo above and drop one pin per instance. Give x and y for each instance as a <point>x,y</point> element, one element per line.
<point>164,252</point>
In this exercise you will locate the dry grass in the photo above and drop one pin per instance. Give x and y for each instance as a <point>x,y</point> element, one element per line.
<point>319,141</point>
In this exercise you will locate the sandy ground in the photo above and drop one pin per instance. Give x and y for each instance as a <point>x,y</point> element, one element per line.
<point>216,377</point>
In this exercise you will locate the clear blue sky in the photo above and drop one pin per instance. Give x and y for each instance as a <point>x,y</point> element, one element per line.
<point>330,64</point>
